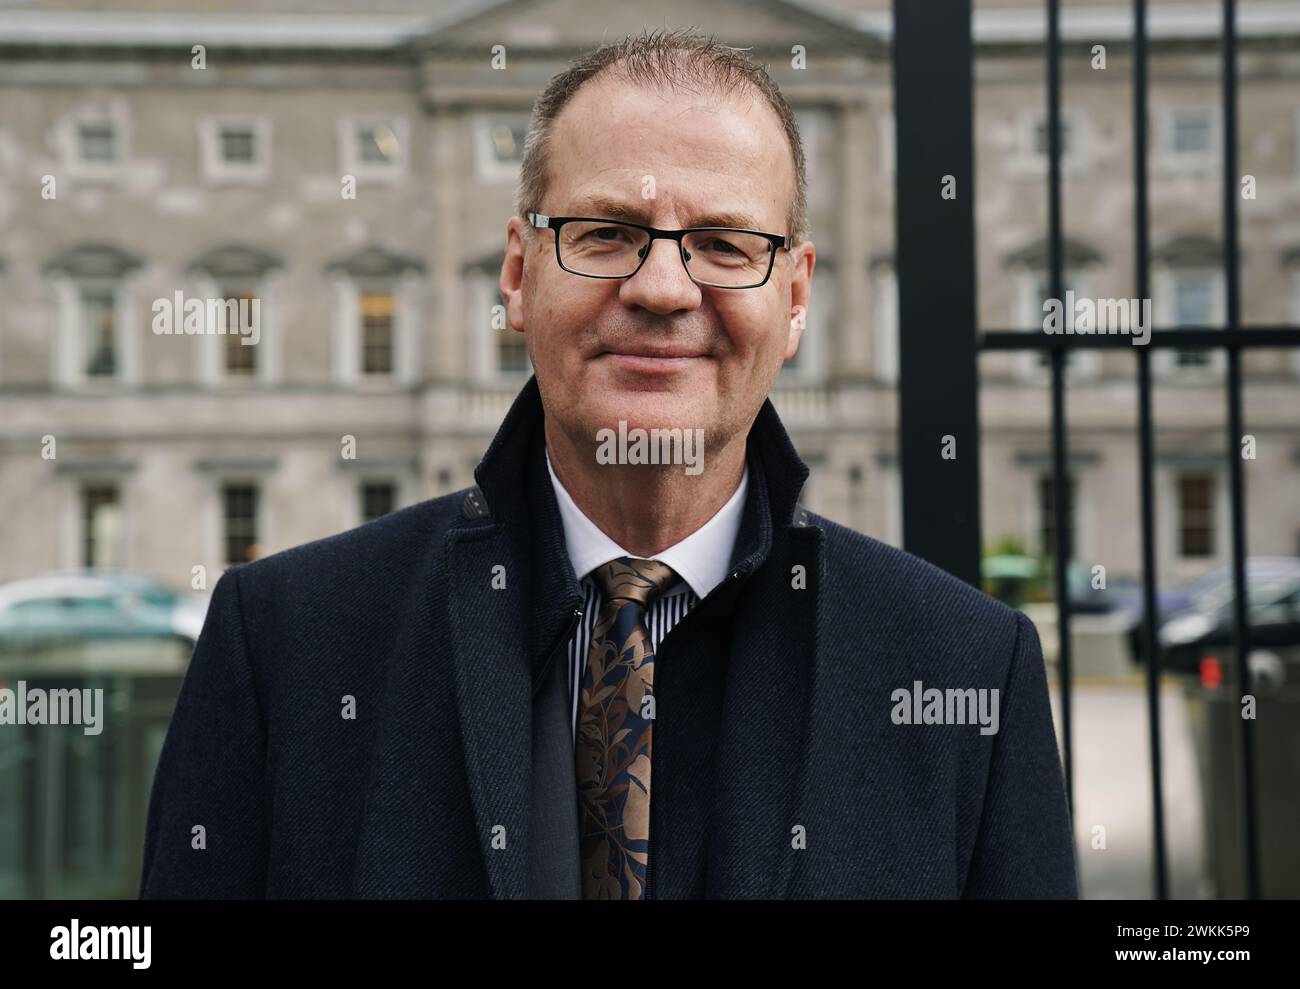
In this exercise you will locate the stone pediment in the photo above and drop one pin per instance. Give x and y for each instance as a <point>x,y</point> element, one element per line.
<point>771,25</point>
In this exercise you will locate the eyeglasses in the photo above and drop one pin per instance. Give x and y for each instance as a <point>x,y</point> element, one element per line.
<point>720,257</point>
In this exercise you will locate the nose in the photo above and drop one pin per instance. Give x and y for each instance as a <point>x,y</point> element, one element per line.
<point>661,284</point>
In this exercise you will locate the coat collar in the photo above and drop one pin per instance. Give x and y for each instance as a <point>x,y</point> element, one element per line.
<point>531,518</point>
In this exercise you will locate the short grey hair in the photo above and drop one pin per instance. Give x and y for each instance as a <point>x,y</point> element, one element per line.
<point>666,59</point>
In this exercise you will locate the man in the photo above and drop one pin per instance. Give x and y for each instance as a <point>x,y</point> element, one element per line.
<point>626,664</point>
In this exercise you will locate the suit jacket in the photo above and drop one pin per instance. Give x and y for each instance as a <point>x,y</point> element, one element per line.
<point>380,714</point>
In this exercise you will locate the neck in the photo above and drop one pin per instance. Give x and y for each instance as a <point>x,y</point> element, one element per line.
<point>645,508</point>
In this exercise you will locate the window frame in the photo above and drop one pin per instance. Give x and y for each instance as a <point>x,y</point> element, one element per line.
<point>215,168</point>
<point>349,152</point>
<point>487,166</point>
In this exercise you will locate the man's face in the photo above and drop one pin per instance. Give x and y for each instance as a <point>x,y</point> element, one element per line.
<point>656,349</point>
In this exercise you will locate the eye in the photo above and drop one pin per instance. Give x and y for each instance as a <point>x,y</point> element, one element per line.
<point>717,245</point>
<point>609,235</point>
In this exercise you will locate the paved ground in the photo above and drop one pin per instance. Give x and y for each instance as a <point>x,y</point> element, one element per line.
<point>1112,784</point>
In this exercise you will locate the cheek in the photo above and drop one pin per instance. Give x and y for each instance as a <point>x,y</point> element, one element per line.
<point>560,309</point>
<point>756,328</point>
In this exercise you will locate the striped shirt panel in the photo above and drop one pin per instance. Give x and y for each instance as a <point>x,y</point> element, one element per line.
<point>664,614</point>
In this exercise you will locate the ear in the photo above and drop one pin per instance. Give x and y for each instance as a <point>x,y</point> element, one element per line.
<point>804,258</point>
<point>511,281</point>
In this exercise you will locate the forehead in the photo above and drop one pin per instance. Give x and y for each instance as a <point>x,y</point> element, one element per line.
<point>697,157</point>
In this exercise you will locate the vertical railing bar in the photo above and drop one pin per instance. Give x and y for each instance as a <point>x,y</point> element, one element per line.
<point>1232,278</point>
<point>938,355</point>
<point>1146,447</point>
<point>1060,490</point>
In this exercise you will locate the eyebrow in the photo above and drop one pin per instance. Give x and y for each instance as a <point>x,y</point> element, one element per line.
<point>613,209</point>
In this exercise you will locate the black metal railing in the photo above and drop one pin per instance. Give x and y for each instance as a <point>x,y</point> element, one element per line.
<point>936,361</point>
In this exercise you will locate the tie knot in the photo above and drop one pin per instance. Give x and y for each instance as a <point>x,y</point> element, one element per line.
<point>631,579</point>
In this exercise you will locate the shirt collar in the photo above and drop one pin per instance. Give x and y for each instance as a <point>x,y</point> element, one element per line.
<point>701,559</point>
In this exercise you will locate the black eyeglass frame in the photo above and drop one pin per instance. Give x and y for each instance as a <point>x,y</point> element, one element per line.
<point>541,221</point>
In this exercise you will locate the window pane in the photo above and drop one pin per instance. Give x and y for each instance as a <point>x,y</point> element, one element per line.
<point>98,324</point>
<point>1042,294</point>
<point>1047,516</point>
<point>238,145</point>
<point>377,310</point>
<point>1040,136</point>
<point>1196,515</point>
<point>240,358</point>
<point>378,498</point>
<point>512,351</point>
<point>239,510</point>
<point>1191,133</point>
<point>97,142</point>
<point>377,143</point>
<point>508,140</point>
<point>99,525</point>
<point>1193,301</point>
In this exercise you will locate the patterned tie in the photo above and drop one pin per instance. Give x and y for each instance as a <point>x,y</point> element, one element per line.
<point>613,748</point>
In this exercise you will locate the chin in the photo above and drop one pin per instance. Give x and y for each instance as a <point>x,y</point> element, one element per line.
<point>645,410</point>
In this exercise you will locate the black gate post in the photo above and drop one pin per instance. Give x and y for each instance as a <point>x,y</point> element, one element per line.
<point>935,262</point>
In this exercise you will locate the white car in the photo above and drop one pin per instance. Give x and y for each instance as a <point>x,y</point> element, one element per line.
<point>89,604</point>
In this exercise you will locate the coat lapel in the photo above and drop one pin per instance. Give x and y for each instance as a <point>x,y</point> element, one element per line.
<point>493,678</point>
<point>763,737</point>
<point>399,832</point>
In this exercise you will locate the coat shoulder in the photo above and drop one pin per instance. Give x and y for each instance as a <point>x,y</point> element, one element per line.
<point>890,581</point>
<point>384,547</point>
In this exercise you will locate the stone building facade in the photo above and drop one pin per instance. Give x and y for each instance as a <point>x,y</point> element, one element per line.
<point>354,172</point>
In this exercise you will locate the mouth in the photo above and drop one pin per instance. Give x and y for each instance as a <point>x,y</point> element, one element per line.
<point>653,360</point>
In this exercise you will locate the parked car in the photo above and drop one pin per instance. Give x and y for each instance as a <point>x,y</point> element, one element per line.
<point>1205,625</point>
<point>88,605</point>
<point>1204,604</point>
<point>1121,594</point>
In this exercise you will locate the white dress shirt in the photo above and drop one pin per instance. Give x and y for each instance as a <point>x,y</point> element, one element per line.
<point>700,561</point>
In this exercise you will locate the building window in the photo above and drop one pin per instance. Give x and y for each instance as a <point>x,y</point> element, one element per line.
<point>100,525</point>
<point>373,147</point>
<point>1193,306</point>
<point>1196,515</point>
<point>377,310</point>
<point>1032,157</point>
<point>512,350</point>
<point>377,143</point>
<point>498,353</point>
<point>1191,132</point>
<point>99,332</point>
<point>375,332</point>
<point>96,337</point>
<point>97,141</point>
<point>1068,135</point>
<point>1040,136</point>
<point>238,359</point>
<point>238,144</point>
<point>1043,292</point>
<point>1047,516</point>
<point>235,148</point>
<point>239,517</point>
<point>378,498</point>
<point>499,145</point>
